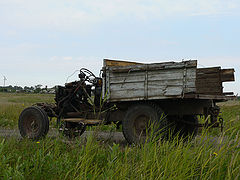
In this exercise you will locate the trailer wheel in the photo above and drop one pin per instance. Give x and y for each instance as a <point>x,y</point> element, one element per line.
<point>33,123</point>
<point>185,127</point>
<point>139,121</point>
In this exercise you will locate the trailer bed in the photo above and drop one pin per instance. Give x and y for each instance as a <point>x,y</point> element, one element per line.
<point>130,81</point>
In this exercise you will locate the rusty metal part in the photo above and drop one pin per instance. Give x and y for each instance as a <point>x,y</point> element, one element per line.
<point>72,129</point>
<point>50,109</point>
<point>84,121</point>
<point>214,112</point>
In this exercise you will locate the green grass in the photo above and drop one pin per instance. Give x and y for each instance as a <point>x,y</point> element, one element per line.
<point>57,158</point>
<point>12,104</point>
<point>23,98</point>
<point>90,159</point>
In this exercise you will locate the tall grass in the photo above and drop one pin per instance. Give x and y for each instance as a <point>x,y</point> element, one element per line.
<point>90,159</point>
<point>209,156</point>
<point>11,105</point>
<point>9,115</point>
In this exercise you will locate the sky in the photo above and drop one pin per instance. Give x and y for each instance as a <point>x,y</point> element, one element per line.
<point>43,42</point>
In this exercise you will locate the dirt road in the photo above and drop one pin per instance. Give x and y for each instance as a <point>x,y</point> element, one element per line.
<point>116,137</point>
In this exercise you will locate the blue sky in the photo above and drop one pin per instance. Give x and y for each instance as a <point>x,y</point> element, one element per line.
<point>43,42</point>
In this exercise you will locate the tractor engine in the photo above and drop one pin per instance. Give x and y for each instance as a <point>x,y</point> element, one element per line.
<point>75,99</point>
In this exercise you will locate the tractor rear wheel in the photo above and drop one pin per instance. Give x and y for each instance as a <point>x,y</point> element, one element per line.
<point>33,123</point>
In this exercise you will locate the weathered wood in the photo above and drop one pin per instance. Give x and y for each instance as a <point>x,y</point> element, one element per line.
<point>228,93</point>
<point>156,76</point>
<point>209,81</point>
<point>227,75</point>
<point>160,80</point>
<point>209,75</point>
<point>208,70</point>
<point>108,62</point>
<point>203,96</point>
<point>126,86</point>
<point>155,66</point>
<point>164,81</point>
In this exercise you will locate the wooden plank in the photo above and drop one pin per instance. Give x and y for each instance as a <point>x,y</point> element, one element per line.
<point>213,97</point>
<point>126,86</point>
<point>174,82</point>
<point>149,98</point>
<point>210,90</point>
<point>173,65</point>
<point>155,66</point>
<point>208,70</point>
<point>227,75</point>
<point>165,91</point>
<point>206,76</point>
<point>208,84</point>
<point>135,77</point>
<point>210,93</point>
<point>208,81</point>
<point>108,62</point>
<point>127,74</point>
<point>152,75</point>
<point>228,93</point>
<point>127,93</point>
<point>138,94</point>
<point>160,88</point>
<point>171,74</point>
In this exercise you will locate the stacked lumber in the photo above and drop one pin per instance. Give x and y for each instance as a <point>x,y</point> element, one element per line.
<point>209,81</point>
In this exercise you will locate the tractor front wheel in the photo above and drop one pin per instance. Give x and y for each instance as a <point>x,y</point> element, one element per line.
<point>33,123</point>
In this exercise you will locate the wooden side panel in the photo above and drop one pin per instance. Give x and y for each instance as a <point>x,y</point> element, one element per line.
<point>153,81</point>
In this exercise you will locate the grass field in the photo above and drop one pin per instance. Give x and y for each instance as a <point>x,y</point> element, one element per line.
<point>57,158</point>
<point>11,106</point>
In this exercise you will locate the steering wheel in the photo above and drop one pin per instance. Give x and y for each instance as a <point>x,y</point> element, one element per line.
<point>88,74</point>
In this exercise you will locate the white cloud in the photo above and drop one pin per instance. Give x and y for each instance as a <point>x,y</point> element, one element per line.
<point>82,14</point>
<point>68,58</point>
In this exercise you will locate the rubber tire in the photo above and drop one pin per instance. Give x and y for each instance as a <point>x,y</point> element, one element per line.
<point>37,114</point>
<point>154,112</point>
<point>46,118</point>
<point>184,130</point>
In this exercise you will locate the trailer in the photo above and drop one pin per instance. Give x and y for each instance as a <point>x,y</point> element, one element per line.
<point>156,98</point>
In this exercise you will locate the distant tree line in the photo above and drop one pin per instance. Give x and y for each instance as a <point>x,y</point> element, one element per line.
<point>32,89</point>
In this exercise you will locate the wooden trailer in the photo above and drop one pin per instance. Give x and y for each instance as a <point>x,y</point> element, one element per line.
<point>179,90</point>
<point>166,96</point>
<point>126,81</point>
